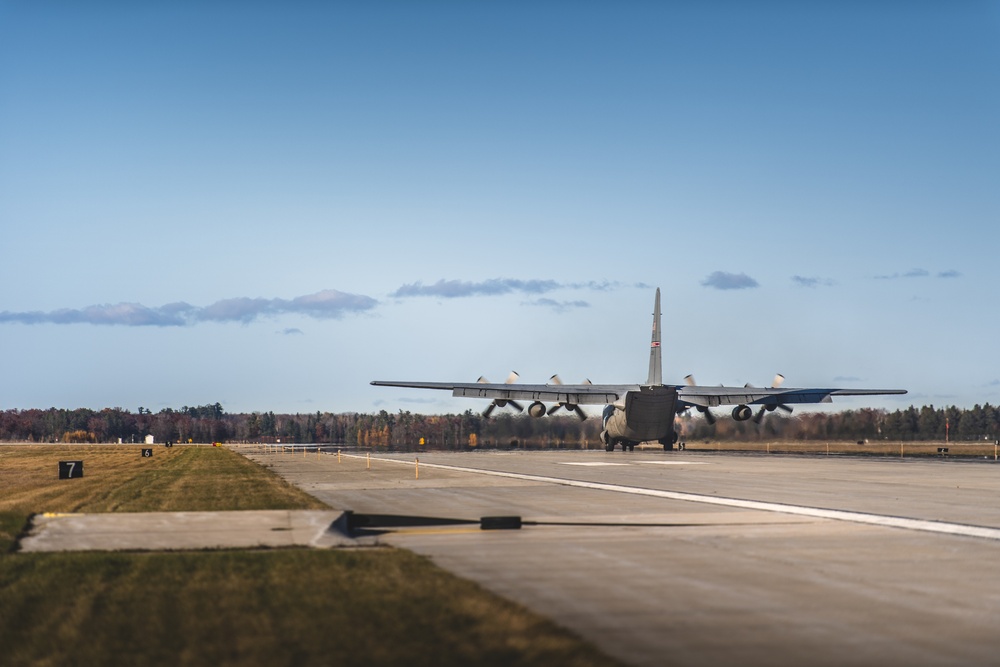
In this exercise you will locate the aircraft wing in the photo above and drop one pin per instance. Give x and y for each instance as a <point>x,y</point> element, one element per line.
<point>576,394</point>
<point>604,394</point>
<point>708,397</point>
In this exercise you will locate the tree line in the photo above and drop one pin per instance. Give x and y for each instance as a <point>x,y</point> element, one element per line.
<point>927,423</point>
<point>210,423</point>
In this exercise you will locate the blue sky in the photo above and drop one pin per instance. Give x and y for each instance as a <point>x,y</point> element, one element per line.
<point>271,204</point>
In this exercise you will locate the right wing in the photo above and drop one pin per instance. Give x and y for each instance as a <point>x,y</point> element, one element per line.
<point>709,397</point>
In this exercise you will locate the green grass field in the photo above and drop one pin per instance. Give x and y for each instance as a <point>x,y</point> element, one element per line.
<point>261,607</point>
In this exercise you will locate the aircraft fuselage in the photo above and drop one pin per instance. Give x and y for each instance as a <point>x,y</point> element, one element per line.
<point>644,415</point>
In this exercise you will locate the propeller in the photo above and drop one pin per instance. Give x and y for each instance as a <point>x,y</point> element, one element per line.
<point>770,407</point>
<point>499,402</point>
<point>706,413</point>
<point>572,407</point>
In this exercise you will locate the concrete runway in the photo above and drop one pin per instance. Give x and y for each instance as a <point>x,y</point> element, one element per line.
<point>710,559</point>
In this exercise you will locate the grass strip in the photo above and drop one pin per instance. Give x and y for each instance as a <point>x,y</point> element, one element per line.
<point>281,607</point>
<point>119,479</point>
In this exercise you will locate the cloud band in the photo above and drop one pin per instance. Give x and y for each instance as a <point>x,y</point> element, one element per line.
<point>327,304</point>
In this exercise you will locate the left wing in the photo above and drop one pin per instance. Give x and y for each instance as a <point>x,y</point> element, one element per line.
<point>574,394</point>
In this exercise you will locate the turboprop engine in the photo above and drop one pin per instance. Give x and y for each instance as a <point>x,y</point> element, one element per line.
<point>537,409</point>
<point>741,413</point>
<point>572,407</point>
<point>499,402</point>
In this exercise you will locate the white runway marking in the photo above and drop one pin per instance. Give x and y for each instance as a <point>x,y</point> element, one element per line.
<point>798,510</point>
<point>675,463</point>
<point>591,464</point>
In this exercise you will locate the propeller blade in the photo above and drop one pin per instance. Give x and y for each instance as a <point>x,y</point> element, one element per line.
<point>778,379</point>
<point>786,408</point>
<point>489,410</point>
<point>482,380</point>
<point>512,378</point>
<point>760,415</point>
<point>555,379</point>
<point>580,413</point>
<point>689,381</point>
<point>517,406</point>
<point>709,417</point>
<point>554,409</point>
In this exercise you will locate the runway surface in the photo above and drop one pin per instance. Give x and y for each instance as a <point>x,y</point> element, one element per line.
<point>673,558</point>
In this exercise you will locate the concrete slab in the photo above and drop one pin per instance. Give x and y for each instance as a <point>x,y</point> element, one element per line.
<point>143,531</point>
<point>658,580</point>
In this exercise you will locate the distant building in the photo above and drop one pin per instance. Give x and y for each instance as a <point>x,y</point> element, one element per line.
<point>149,439</point>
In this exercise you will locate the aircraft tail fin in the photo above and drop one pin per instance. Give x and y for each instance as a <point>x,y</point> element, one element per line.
<point>655,362</point>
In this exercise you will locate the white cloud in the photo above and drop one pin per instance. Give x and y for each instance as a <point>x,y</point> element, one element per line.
<point>324,305</point>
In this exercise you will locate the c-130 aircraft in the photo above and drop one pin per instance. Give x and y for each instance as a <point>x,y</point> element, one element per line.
<point>636,413</point>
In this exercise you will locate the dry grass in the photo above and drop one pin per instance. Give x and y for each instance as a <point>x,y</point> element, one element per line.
<point>118,479</point>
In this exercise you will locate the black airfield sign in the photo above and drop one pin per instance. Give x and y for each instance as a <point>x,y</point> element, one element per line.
<point>147,453</point>
<point>70,469</point>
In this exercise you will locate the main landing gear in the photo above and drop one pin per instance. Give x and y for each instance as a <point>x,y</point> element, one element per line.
<point>668,442</point>
<point>627,446</point>
<point>610,443</point>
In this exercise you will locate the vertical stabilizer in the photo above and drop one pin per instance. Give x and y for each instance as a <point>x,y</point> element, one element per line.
<point>655,363</point>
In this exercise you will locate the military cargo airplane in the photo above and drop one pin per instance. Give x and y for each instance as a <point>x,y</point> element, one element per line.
<point>636,413</point>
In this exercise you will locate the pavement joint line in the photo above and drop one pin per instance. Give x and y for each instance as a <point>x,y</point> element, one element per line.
<point>924,525</point>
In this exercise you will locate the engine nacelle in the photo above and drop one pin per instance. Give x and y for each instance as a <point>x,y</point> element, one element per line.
<point>537,409</point>
<point>741,413</point>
